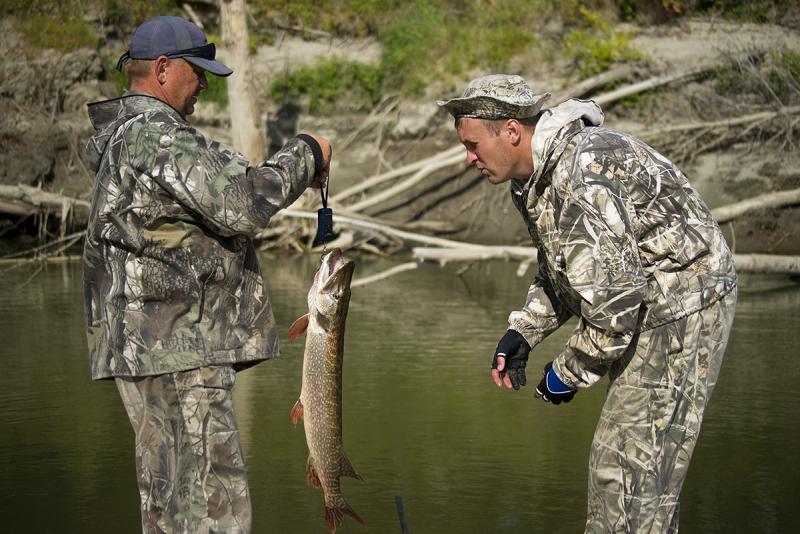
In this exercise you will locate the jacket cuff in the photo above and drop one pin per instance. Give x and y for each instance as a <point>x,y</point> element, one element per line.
<point>316,150</point>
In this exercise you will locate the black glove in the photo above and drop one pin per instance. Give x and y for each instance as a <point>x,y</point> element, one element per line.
<point>552,389</point>
<point>515,350</point>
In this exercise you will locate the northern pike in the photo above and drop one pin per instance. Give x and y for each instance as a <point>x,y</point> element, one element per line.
<point>320,403</point>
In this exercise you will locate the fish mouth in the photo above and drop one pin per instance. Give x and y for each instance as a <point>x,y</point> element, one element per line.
<point>335,272</point>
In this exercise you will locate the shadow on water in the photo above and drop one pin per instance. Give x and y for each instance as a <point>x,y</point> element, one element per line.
<point>421,418</point>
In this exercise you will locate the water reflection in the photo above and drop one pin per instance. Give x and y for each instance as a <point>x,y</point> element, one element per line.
<point>422,418</point>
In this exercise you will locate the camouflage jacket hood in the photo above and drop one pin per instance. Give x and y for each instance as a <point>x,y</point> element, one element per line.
<point>171,277</point>
<point>624,241</point>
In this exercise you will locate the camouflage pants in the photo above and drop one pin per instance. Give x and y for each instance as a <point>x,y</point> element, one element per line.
<point>189,461</point>
<point>650,422</point>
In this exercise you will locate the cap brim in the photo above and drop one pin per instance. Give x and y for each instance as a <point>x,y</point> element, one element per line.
<point>485,107</point>
<point>209,65</point>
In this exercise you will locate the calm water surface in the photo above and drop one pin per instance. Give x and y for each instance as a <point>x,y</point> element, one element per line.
<point>422,419</point>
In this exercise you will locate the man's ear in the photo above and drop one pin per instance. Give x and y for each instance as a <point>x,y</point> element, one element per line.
<point>160,66</point>
<point>513,129</point>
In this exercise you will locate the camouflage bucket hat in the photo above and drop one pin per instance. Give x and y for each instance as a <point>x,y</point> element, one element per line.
<point>496,96</point>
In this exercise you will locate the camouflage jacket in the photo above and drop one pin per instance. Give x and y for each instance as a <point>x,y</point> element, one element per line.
<point>624,241</point>
<point>171,277</point>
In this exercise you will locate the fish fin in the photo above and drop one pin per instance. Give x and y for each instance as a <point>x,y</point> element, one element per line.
<point>299,327</point>
<point>346,468</point>
<point>335,516</point>
<point>311,475</point>
<point>297,412</point>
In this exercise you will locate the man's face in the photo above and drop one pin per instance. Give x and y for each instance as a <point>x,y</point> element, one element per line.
<point>184,83</point>
<point>490,152</point>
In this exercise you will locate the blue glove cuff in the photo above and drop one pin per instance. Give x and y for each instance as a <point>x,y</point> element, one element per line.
<point>554,384</point>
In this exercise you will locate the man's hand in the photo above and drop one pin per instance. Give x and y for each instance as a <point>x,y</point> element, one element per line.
<point>327,153</point>
<point>552,389</point>
<point>510,359</point>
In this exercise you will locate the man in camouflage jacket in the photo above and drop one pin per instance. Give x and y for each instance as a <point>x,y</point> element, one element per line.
<point>175,300</point>
<point>626,245</point>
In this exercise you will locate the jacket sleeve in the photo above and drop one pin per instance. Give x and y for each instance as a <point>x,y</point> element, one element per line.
<point>601,262</point>
<point>541,315</point>
<point>216,185</point>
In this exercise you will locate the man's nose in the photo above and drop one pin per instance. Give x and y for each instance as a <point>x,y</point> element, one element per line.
<point>203,81</point>
<point>471,158</point>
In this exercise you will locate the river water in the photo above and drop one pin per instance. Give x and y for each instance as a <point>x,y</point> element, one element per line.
<point>422,419</point>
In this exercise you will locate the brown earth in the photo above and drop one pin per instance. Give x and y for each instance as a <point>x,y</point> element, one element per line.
<point>43,127</point>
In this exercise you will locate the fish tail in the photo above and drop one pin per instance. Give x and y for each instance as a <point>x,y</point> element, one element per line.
<point>335,516</point>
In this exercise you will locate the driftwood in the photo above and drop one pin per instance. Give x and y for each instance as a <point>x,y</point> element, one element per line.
<point>745,263</point>
<point>385,274</point>
<point>767,263</point>
<point>23,200</point>
<point>778,199</point>
<point>26,200</point>
<point>726,123</point>
<point>472,253</point>
<point>417,177</point>
<point>394,173</point>
<point>651,83</point>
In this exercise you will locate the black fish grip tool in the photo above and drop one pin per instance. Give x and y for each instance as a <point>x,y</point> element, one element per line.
<point>324,221</point>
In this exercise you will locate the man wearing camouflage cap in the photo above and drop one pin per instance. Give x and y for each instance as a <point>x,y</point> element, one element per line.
<point>175,300</point>
<point>626,245</point>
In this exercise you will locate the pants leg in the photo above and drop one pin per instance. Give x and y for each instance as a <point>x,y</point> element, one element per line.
<point>650,422</point>
<point>189,460</point>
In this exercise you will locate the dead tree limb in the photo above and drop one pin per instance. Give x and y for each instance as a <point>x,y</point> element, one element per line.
<point>22,200</point>
<point>385,274</point>
<point>767,263</point>
<point>417,177</point>
<point>395,173</point>
<point>754,117</point>
<point>651,83</point>
<point>584,87</point>
<point>768,200</point>
<point>745,263</point>
<point>381,228</point>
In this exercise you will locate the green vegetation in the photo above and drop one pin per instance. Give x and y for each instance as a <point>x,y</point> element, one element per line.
<point>217,91</point>
<point>596,45</point>
<point>328,81</point>
<point>64,35</point>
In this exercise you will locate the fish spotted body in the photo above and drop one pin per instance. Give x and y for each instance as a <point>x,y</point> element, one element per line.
<point>320,403</point>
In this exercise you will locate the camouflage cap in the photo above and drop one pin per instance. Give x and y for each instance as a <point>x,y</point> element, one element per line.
<point>496,96</point>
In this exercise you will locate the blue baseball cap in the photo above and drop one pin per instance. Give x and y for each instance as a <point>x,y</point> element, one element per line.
<point>174,37</point>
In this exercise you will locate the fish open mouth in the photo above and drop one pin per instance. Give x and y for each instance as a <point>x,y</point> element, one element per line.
<point>335,270</point>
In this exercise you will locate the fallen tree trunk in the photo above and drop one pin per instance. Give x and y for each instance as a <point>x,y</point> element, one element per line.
<point>745,263</point>
<point>395,173</point>
<point>472,253</point>
<point>24,200</point>
<point>651,83</point>
<point>768,200</point>
<point>767,264</point>
<point>420,175</point>
<point>746,119</point>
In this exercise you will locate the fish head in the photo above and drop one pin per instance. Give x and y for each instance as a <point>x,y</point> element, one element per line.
<point>330,292</point>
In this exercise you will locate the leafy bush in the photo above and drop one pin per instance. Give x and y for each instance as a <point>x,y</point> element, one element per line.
<point>596,45</point>
<point>217,91</point>
<point>328,80</point>
<point>65,35</point>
